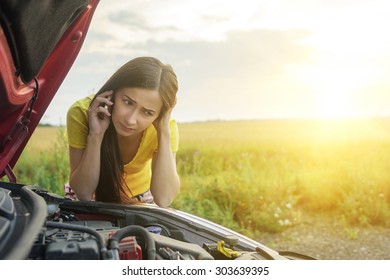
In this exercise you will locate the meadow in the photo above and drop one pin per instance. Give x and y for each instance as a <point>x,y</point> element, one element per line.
<point>259,176</point>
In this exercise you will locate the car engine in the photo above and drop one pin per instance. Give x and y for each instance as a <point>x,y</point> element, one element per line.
<point>38,225</point>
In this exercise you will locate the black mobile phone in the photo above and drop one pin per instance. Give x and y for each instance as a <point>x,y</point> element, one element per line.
<point>100,114</point>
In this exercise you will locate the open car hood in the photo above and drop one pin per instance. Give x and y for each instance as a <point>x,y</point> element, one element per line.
<point>39,41</point>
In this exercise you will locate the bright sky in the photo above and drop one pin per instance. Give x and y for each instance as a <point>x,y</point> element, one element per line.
<point>246,59</point>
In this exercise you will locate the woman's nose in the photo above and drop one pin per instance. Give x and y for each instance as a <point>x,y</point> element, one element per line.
<point>131,118</point>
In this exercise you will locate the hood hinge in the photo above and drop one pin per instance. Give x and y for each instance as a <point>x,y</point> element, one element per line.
<point>16,137</point>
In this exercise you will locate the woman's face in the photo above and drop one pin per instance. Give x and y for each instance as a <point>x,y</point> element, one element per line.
<point>135,109</point>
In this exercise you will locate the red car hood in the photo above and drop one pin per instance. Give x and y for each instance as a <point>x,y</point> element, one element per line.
<point>39,41</point>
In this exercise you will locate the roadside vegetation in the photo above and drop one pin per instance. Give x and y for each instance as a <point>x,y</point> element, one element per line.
<point>260,176</point>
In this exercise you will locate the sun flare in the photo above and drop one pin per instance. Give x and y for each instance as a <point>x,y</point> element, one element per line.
<point>335,91</point>
<point>336,88</point>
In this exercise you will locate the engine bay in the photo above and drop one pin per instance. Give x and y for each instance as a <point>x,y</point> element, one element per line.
<point>67,236</point>
<point>38,225</point>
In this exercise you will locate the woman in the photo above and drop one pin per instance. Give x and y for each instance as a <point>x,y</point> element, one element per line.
<point>122,143</point>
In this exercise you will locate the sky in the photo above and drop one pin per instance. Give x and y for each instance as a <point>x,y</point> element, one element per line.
<point>246,59</point>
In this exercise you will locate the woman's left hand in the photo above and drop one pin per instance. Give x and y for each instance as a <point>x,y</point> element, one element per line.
<point>162,122</point>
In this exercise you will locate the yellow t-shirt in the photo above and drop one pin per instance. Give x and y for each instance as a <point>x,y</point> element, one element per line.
<point>138,172</point>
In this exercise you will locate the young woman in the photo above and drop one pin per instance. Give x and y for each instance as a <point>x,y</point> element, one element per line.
<point>122,142</point>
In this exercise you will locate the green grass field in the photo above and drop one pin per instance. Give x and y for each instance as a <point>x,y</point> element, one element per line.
<point>255,176</point>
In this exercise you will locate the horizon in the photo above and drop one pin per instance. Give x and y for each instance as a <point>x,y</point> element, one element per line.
<point>314,120</point>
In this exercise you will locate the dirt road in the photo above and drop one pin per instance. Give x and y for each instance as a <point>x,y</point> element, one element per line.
<point>330,240</point>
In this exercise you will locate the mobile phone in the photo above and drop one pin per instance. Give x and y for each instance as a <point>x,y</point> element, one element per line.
<point>100,114</point>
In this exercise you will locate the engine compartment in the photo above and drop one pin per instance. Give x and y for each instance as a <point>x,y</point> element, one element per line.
<point>94,240</point>
<point>68,235</point>
<point>38,225</point>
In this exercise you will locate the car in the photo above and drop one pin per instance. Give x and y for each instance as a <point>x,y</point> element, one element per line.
<point>39,41</point>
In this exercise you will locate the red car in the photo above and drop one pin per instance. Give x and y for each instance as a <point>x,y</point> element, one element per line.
<point>39,41</point>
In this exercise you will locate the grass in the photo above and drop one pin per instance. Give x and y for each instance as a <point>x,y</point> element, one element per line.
<point>255,176</point>
<point>45,160</point>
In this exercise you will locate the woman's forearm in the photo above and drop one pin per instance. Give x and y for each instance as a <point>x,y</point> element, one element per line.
<point>165,181</point>
<point>85,177</point>
<point>85,163</point>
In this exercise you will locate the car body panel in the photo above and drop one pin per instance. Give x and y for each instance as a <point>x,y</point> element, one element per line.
<point>23,103</point>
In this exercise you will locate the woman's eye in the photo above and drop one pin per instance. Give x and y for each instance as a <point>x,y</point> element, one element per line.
<point>127,102</point>
<point>148,113</point>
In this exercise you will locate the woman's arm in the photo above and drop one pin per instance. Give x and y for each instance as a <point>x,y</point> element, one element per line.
<point>85,169</point>
<point>165,183</point>
<point>85,163</point>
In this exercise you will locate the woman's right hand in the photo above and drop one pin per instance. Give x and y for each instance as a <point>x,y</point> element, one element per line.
<point>99,116</point>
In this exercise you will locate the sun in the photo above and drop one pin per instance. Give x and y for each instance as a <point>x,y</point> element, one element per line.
<point>333,106</point>
<point>335,88</point>
<point>335,92</point>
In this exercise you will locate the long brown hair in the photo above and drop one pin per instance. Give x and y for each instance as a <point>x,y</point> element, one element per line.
<point>141,72</point>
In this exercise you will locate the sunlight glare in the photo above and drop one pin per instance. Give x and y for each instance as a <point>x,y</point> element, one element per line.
<point>334,91</point>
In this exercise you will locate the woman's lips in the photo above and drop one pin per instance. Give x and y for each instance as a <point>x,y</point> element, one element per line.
<point>127,129</point>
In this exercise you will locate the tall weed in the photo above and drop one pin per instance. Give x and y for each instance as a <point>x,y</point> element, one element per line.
<point>47,168</point>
